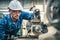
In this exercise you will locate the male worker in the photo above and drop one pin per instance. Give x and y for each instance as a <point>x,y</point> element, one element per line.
<point>11,23</point>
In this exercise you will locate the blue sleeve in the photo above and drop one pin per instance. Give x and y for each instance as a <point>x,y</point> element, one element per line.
<point>27,15</point>
<point>2,28</point>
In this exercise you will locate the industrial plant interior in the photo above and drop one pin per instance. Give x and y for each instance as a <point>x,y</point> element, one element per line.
<point>46,22</point>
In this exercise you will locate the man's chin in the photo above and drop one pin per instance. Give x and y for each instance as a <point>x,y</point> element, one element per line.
<point>15,19</point>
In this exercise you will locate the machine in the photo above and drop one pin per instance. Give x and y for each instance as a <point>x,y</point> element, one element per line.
<point>53,13</point>
<point>35,27</point>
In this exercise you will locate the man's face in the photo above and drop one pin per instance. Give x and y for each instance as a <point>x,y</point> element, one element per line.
<point>14,14</point>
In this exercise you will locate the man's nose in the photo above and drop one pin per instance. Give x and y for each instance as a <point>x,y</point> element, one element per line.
<point>17,14</point>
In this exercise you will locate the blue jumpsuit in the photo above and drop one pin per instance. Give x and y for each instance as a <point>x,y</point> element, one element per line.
<point>7,25</point>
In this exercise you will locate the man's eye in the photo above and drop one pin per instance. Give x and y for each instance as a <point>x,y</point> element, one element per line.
<point>13,10</point>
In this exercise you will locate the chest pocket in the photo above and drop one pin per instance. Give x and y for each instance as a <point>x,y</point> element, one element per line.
<point>12,27</point>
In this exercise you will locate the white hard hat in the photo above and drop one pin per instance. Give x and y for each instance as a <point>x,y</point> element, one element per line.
<point>15,5</point>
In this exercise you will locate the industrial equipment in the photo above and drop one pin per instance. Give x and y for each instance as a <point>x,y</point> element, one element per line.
<point>35,25</point>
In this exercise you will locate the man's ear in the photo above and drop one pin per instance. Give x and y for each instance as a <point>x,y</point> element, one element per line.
<point>10,11</point>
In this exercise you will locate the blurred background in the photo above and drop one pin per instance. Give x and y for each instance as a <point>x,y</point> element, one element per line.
<point>27,4</point>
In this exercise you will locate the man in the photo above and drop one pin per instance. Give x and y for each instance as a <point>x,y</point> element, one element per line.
<point>11,23</point>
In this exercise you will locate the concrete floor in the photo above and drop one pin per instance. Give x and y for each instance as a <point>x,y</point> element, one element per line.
<point>27,39</point>
<point>53,34</point>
